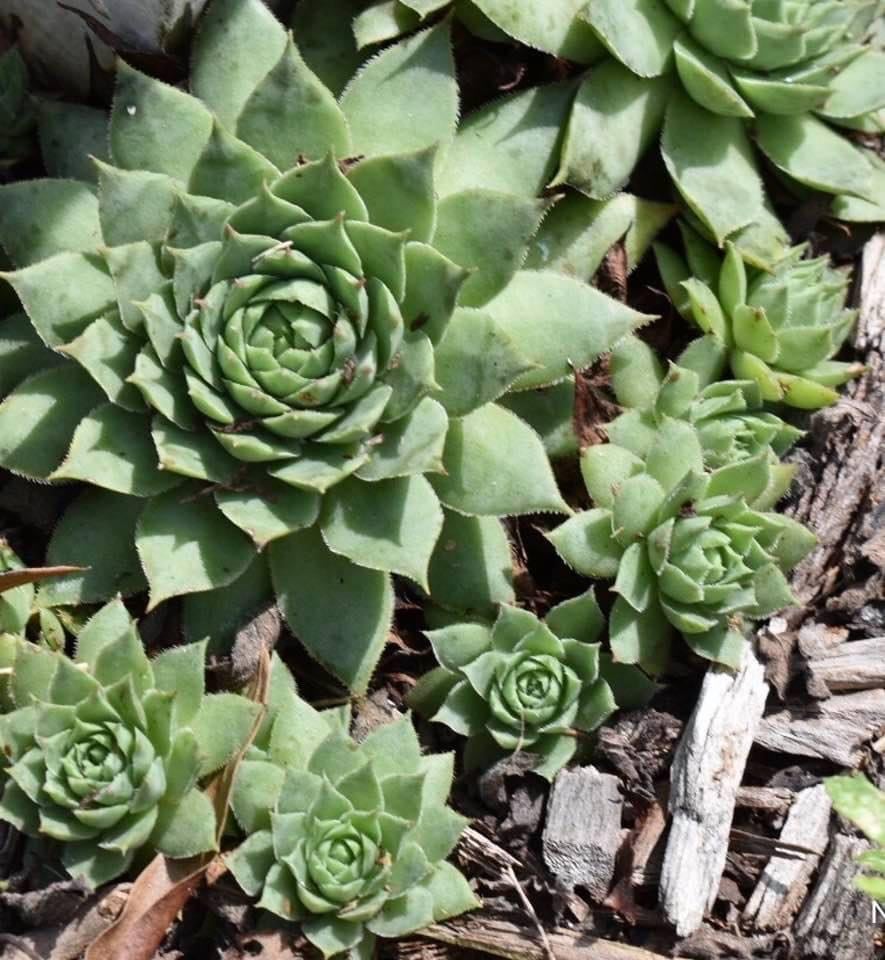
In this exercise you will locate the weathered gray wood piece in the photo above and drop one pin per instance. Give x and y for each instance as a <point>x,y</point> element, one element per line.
<point>707,770</point>
<point>784,881</point>
<point>857,665</point>
<point>836,922</point>
<point>583,829</point>
<point>833,729</point>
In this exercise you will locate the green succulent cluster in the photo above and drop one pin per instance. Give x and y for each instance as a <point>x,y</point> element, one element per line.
<point>104,753</point>
<point>348,839</point>
<point>523,684</point>
<point>685,540</point>
<point>856,799</point>
<point>273,342</point>
<point>779,328</point>
<point>728,417</point>
<point>18,118</point>
<point>711,75</point>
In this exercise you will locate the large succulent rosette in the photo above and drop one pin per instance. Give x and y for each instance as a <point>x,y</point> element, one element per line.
<point>284,322</point>
<point>349,840</point>
<point>103,753</point>
<point>780,329</point>
<point>716,76</point>
<point>682,545</point>
<point>523,684</point>
<point>728,416</point>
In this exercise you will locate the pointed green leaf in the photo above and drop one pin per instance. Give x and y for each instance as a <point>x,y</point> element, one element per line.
<point>509,145</point>
<point>230,169</point>
<point>271,512</point>
<point>187,828</point>
<point>62,294</point>
<point>192,453</point>
<point>112,448</point>
<point>579,618</point>
<point>237,43</point>
<point>313,586</point>
<point>496,466</point>
<point>389,525</point>
<point>635,507</point>
<point>580,323</point>
<point>605,467</point>
<point>222,727</point>
<point>38,419</point>
<point>711,162</point>
<point>380,104</point>
<point>471,568</point>
<point>585,542</point>
<point>642,638</point>
<point>615,118</point>
<point>134,205</point>
<point>578,232</point>
<point>476,362</point>
<point>707,80</point>
<point>858,88</point>
<point>810,152</point>
<point>107,351</point>
<point>412,444</point>
<point>329,50</point>
<point>187,545</point>
<point>555,28</point>
<point>156,127</point>
<point>106,548</point>
<point>398,192</point>
<point>292,114</point>
<point>640,33</point>
<point>39,218</point>
<point>487,233</point>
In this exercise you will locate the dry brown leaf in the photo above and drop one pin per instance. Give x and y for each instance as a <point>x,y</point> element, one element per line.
<point>18,578</point>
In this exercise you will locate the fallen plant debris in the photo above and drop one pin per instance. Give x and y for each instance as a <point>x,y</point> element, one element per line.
<point>337,380</point>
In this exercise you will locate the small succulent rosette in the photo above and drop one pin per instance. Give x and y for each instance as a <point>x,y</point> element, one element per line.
<point>780,328</point>
<point>682,546</point>
<point>347,839</point>
<point>523,684</point>
<point>104,753</point>
<point>274,339</point>
<point>859,801</point>
<point>789,79</point>
<point>728,417</point>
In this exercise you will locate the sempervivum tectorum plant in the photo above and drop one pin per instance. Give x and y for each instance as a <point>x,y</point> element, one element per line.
<point>103,753</point>
<point>287,319</point>
<point>523,684</point>
<point>681,544</point>
<point>783,73</point>
<point>728,416</point>
<point>348,839</point>
<point>778,328</point>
